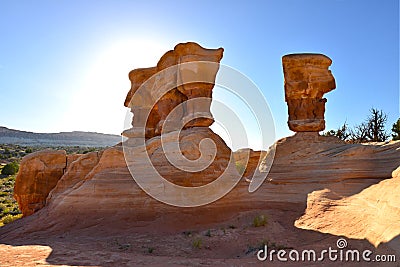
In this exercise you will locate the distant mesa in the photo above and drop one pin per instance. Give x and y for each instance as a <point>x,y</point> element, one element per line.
<point>76,138</point>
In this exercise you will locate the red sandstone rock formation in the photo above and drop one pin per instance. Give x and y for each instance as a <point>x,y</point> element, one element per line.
<point>98,190</point>
<point>38,175</point>
<point>372,214</point>
<point>186,73</point>
<point>248,160</point>
<point>307,79</point>
<point>189,144</point>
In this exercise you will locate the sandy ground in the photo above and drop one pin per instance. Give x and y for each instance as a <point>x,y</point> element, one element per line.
<point>232,243</point>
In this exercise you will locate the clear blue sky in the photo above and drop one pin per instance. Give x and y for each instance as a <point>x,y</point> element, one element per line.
<point>64,64</point>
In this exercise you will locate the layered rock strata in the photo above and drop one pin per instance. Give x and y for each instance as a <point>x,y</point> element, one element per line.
<point>372,214</point>
<point>97,190</point>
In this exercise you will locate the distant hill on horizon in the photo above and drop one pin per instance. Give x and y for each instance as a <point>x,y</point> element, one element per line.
<point>75,138</point>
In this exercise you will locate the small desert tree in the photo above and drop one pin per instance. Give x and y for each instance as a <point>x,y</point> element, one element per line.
<point>343,132</point>
<point>396,130</point>
<point>359,133</point>
<point>372,129</point>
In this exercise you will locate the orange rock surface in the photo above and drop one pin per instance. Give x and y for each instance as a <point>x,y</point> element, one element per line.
<point>307,79</point>
<point>372,214</point>
<point>188,72</point>
<point>38,175</point>
<point>189,144</point>
<point>95,184</point>
<point>248,160</point>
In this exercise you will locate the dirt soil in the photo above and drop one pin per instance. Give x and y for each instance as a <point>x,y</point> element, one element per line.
<point>231,243</point>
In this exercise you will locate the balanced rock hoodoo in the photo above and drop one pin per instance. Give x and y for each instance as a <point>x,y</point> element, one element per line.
<point>178,89</point>
<point>307,79</point>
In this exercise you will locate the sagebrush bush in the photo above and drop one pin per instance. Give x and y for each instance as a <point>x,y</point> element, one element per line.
<point>10,218</point>
<point>3,209</point>
<point>197,243</point>
<point>260,220</point>
<point>10,168</point>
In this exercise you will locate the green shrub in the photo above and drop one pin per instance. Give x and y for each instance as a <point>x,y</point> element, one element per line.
<point>260,220</point>
<point>10,218</point>
<point>197,243</point>
<point>3,209</point>
<point>10,168</point>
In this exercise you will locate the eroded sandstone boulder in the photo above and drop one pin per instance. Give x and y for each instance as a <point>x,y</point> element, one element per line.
<point>75,172</point>
<point>38,175</point>
<point>307,79</point>
<point>372,214</point>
